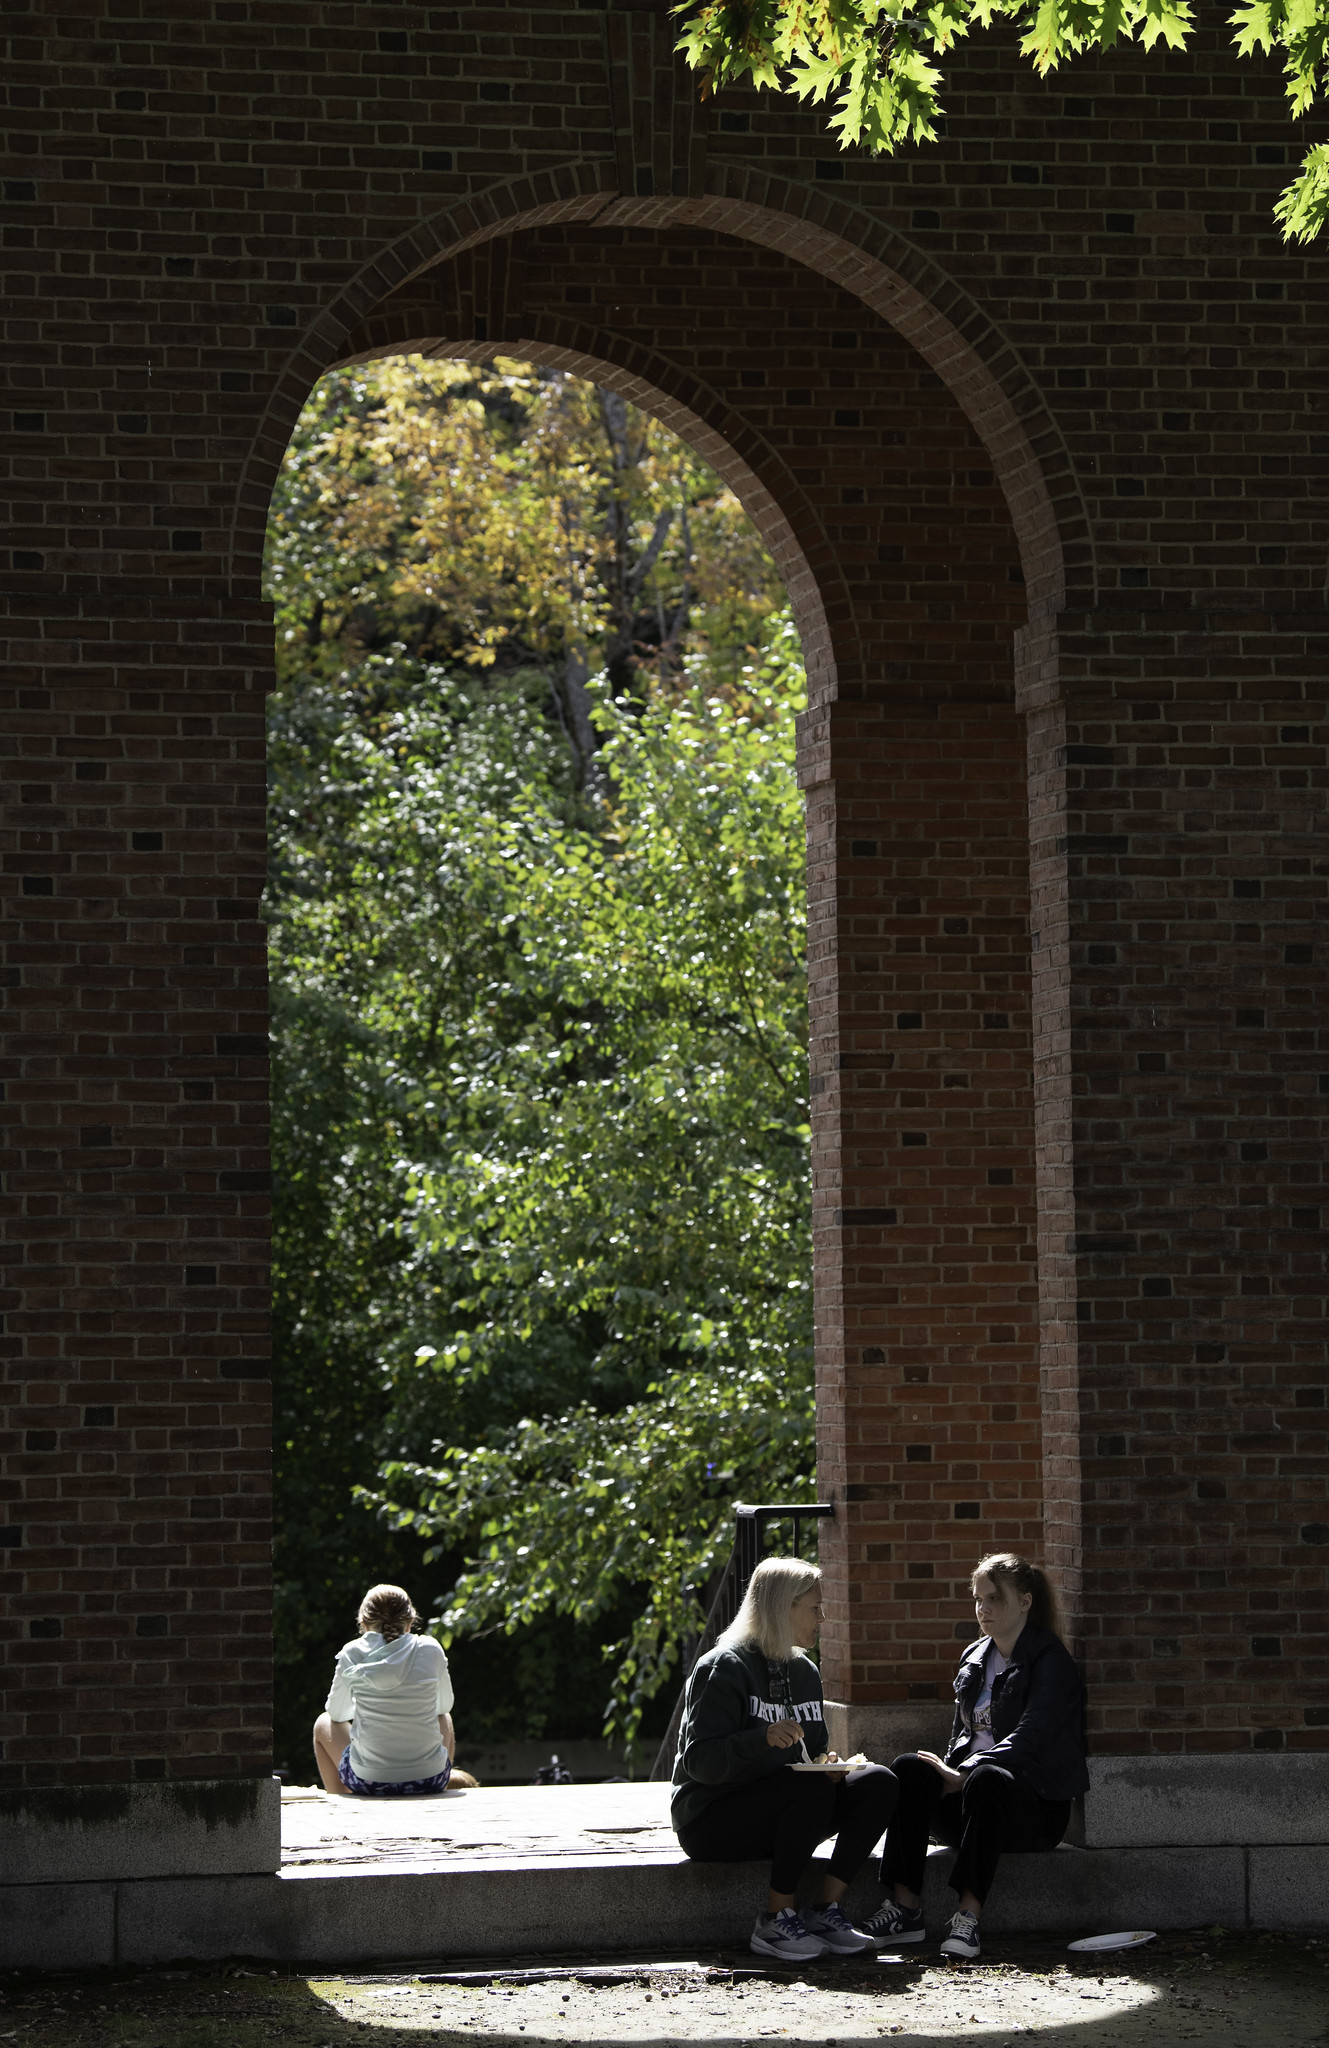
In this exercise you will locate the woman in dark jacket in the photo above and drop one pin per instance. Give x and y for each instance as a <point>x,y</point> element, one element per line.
<point>754,1709</point>
<point>1015,1761</point>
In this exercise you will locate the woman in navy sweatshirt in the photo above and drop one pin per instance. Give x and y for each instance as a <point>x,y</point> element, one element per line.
<point>754,1708</point>
<point>1015,1761</point>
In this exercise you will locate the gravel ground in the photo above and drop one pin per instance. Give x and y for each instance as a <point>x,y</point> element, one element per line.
<point>1268,1991</point>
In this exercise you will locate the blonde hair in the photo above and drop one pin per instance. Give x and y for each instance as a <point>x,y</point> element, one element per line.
<point>763,1621</point>
<point>1017,1575</point>
<point>388,1611</point>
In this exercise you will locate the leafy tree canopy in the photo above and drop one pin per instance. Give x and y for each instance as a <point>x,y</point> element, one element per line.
<point>633,1168</point>
<point>875,61</point>
<point>540,1093</point>
<point>498,516</point>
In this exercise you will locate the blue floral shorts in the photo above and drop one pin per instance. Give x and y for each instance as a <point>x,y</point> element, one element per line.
<point>386,1788</point>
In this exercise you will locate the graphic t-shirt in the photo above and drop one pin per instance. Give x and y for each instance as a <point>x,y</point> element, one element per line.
<point>993,1666</point>
<point>779,1703</point>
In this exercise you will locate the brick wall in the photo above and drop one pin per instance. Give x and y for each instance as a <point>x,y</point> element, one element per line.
<point>136,1579</point>
<point>1063,341</point>
<point>925,1211</point>
<point>1182,890</point>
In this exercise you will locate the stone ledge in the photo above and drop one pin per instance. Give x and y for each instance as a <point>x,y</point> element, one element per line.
<point>187,1827</point>
<point>523,1906</point>
<point>1204,1801</point>
<point>885,1730</point>
<point>1288,1887</point>
<point>1184,1800</point>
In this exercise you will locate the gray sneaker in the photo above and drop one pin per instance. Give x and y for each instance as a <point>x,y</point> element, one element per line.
<point>832,1925</point>
<point>961,1938</point>
<point>784,1936</point>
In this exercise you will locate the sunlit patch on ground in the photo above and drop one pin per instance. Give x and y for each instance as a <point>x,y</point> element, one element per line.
<point>1210,1990</point>
<point>1235,1994</point>
<point>920,2004</point>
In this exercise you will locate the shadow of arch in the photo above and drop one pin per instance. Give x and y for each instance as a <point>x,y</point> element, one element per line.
<point>772,498</point>
<point>980,367</point>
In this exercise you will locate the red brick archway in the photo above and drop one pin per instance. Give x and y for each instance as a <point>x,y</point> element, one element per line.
<point>842,243</point>
<point>831,426</point>
<point>209,211</point>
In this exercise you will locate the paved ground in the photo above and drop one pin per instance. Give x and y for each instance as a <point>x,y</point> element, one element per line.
<point>1216,1990</point>
<point>539,1823</point>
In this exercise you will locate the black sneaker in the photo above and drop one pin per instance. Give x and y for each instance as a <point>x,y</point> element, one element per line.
<point>961,1938</point>
<point>891,1926</point>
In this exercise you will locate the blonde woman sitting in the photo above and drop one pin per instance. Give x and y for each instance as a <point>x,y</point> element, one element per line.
<point>754,1708</point>
<point>386,1732</point>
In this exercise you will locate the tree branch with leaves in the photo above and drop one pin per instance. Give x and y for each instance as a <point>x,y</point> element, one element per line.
<point>876,62</point>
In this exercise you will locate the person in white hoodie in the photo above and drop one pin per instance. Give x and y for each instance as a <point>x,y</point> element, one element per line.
<point>386,1731</point>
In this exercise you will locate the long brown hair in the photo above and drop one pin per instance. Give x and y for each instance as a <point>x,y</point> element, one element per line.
<point>389,1611</point>
<point>1004,1568</point>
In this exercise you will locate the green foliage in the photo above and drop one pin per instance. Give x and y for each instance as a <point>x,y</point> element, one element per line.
<point>337,1265</point>
<point>873,59</point>
<point>637,1171</point>
<point>497,514</point>
<point>541,1210</point>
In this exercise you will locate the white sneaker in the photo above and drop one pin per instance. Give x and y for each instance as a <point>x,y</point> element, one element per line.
<point>961,1938</point>
<point>832,1925</point>
<point>784,1936</point>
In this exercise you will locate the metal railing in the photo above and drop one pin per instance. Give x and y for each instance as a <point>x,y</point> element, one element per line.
<point>749,1540</point>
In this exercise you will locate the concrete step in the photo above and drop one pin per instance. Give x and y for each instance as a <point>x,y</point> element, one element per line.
<point>596,1868</point>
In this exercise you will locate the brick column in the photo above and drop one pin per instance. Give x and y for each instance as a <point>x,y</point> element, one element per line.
<point>924,1202</point>
<point>1180,876</point>
<point>136,1510</point>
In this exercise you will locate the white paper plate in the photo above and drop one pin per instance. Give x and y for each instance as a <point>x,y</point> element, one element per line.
<point>826,1767</point>
<point>1094,1943</point>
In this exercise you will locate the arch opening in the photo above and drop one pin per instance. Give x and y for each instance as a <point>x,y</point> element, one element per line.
<point>564,990</point>
<point>898,538</point>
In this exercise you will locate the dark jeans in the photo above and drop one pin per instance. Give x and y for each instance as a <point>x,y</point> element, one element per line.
<point>786,1815</point>
<point>993,1811</point>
